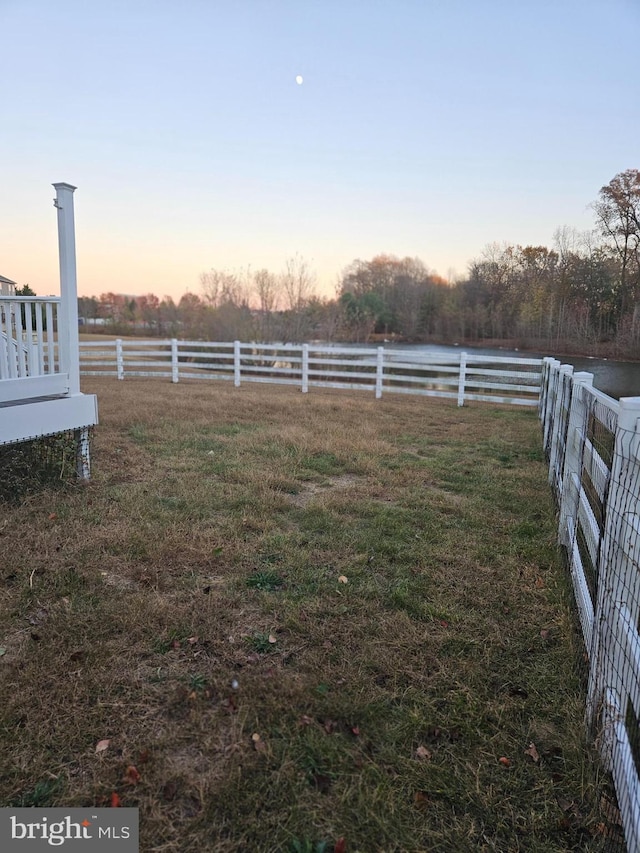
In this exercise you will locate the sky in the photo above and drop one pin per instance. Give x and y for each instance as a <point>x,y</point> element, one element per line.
<point>422,128</point>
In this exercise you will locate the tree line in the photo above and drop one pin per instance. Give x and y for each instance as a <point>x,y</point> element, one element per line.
<point>582,293</point>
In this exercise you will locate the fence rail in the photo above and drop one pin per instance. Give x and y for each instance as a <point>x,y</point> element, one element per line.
<point>461,376</point>
<point>592,443</point>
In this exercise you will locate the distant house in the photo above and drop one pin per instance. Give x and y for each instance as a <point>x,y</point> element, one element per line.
<point>7,287</point>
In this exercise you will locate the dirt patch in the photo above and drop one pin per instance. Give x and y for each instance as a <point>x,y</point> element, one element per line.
<point>309,491</point>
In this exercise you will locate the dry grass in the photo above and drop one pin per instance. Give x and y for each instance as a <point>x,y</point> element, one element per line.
<point>189,598</point>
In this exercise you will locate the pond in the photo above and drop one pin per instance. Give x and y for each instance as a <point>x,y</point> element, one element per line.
<point>615,378</point>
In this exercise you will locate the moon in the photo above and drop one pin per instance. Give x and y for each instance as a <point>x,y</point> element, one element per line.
<point>299,79</point>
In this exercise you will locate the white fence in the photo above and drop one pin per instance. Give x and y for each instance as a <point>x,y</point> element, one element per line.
<point>593,446</point>
<point>461,376</point>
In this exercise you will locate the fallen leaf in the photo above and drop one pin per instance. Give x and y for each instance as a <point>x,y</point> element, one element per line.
<point>539,583</point>
<point>272,639</point>
<point>343,579</point>
<point>421,800</point>
<point>192,640</point>
<point>305,720</point>
<point>102,745</point>
<point>115,800</point>
<point>52,516</point>
<point>176,644</point>
<point>355,730</point>
<point>132,777</point>
<point>340,845</point>
<point>444,623</point>
<point>258,744</point>
<point>329,726</point>
<point>423,753</point>
<point>327,644</point>
<point>533,752</point>
<point>504,761</point>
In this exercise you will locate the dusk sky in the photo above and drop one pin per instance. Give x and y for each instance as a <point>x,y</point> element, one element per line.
<point>422,128</point>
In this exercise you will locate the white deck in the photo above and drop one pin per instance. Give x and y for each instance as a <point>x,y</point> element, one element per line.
<point>39,354</point>
<point>26,420</point>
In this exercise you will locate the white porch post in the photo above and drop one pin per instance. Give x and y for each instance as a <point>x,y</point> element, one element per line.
<point>68,315</point>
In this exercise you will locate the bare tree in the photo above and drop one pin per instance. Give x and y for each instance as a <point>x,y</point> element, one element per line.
<point>298,283</point>
<point>267,290</point>
<point>618,219</point>
<point>220,287</point>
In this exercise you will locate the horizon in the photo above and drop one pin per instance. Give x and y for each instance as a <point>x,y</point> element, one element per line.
<point>419,130</point>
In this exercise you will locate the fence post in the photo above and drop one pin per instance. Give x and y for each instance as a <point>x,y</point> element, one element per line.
<point>550,394</point>
<point>618,594</point>
<point>236,363</point>
<point>175,371</point>
<point>461,378</point>
<point>572,467</point>
<point>545,375</point>
<point>379,372</point>
<point>305,368</point>
<point>68,313</point>
<point>560,405</point>
<point>119,358</point>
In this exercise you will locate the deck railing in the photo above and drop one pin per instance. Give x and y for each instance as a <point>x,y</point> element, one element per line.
<point>459,375</point>
<point>29,354</point>
<point>39,335</point>
<point>592,443</point>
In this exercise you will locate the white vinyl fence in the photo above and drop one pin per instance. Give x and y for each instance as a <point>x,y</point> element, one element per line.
<point>459,375</point>
<point>593,446</point>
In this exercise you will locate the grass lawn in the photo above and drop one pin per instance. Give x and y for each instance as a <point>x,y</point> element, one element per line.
<point>275,621</point>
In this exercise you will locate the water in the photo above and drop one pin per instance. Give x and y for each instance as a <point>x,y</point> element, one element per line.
<point>615,378</point>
